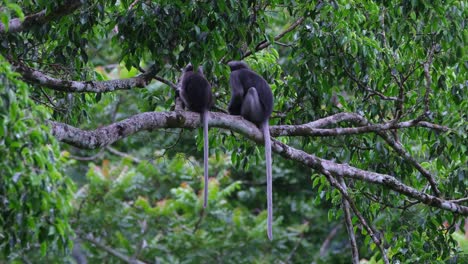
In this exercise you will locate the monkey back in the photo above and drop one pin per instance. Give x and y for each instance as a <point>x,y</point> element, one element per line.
<point>196,92</point>
<point>247,79</point>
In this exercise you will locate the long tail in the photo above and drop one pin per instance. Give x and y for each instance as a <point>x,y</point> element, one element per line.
<point>205,117</point>
<point>266,135</point>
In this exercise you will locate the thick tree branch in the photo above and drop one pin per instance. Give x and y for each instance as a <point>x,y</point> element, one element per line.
<point>314,128</point>
<point>310,129</point>
<point>368,176</point>
<point>105,136</point>
<point>38,77</point>
<point>16,25</point>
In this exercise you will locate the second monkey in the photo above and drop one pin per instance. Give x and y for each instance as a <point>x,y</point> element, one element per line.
<point>196,95</point>
<point>252,99</point>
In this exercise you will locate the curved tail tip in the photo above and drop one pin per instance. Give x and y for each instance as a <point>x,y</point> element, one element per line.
<point>270,235</point>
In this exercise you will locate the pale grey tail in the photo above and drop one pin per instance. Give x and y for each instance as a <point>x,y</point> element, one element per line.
<point>205,117</point>
<point>266,135</point>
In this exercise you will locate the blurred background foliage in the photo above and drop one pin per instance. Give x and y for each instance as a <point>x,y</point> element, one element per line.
<point>141,196</point>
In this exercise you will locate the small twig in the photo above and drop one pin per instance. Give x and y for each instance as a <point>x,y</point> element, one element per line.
<point>384,204</point>
<point>296,246</point>
<point>370,230</point>
<point>283,44</point>
<point>368,89</point>
<point>61,110</point>
<point>427,74</point>
<point>48,97</point>
<point>201,216</point>
<point>264,44</point>
<point>133,4</point>
<point>167,82</point>
<point>461,200</point>
<point>90,158</point>
<point>328,240</point>
<point>382,25</point>
<point>144,229</point>
<point>82,202</point>
<point>122,154</point>
<point>116,108</point>
<point>401,96</point>
<point>110,250</point>
<point>404,154</point>
<point>349,224</point>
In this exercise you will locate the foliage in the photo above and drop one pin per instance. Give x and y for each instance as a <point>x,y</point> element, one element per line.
<point>388,61</point>
<point>34,194</point>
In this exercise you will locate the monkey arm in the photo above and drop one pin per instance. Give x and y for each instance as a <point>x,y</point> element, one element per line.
<point>234,107</point>
<point>237,94</point>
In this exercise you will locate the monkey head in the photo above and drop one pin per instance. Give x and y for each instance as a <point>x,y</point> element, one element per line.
<point>236,65</point>
<point>189,68</point>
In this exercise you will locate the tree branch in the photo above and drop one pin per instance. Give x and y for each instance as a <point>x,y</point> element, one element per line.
<point>105,136</point>
<point>123,155</point>
<point>313,128</point>
<point>345,170</point>
<point>111,251</point>
<point>427,74</point>
<point>370,230</point>
<point>167,82</point>
<point>327,241</point>
<point>16,25</point>
<point>349,224</point>
<point>265,44</point>
<point>38,77</point>
<point>403,153</point>
<point>310,129</point>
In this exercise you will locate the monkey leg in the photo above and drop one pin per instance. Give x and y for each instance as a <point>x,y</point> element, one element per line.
<point>252,109</point>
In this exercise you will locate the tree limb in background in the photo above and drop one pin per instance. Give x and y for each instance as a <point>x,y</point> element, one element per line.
<point>370,230</point>
<point>106,135</point>
<point>37,77</point>
<point>111,251</point>
<point>427,75</point>
<point>16,25</point>
<point>266,44</point>
<point>327,241</point>
<point>123,155</point>
<point>310,129</point>
<point>405,155</point>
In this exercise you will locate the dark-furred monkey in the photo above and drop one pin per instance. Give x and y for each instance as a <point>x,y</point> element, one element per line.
<point>252,99</point>
<point>197,97</point>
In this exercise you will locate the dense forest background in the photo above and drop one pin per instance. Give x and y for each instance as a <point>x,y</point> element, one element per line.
<point>369,132</point>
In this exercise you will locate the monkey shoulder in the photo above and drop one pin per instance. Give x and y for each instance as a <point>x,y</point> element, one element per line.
<point>197,81</point>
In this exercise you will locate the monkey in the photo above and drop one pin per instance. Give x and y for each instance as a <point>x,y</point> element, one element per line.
<point>251,97</point>
<point>196,95</point>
